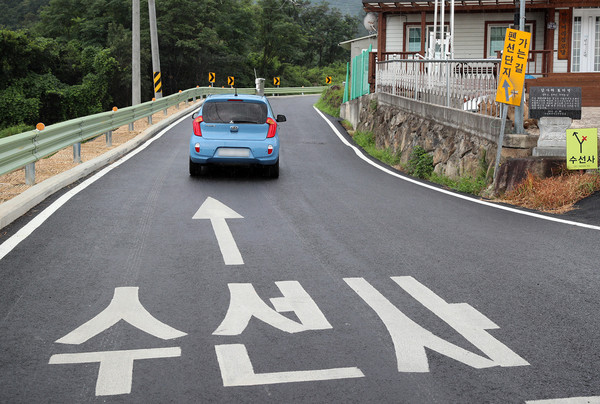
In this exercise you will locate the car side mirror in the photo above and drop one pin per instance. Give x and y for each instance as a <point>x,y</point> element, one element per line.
<point>281,118</point>
<point>195,114</point>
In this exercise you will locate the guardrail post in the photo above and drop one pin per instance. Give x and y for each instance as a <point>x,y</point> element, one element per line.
<point>30,174</point>
<point>109,138</point>
<point>77,153</point>
<point>149,119</point>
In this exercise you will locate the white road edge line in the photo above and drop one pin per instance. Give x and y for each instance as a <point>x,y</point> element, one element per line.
<point>571,400</point>
<point>444,191</point>
<point>39,219</point>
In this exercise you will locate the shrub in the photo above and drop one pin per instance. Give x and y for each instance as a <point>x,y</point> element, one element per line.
<point>420,163</point>
<point>17,108</point>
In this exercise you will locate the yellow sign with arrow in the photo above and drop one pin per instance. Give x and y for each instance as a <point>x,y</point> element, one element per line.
<point>513,67</point>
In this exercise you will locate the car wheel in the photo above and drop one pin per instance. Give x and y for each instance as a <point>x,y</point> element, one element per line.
<point>272,171</point>
<point>195,169</point>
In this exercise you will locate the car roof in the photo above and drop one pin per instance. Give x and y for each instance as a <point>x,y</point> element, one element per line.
<point>225,97</point>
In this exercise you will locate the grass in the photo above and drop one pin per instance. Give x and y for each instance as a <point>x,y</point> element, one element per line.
<point>554,194</point>
<point>467,184</point>
<point>330,101</point>
<point>366,140</point>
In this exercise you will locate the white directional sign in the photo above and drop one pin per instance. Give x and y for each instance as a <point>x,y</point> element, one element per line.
<point>217,212</point>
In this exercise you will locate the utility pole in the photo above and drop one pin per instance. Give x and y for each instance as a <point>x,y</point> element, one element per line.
<point>155,56</point>
<point>519,109</point>
<point>136,91</point>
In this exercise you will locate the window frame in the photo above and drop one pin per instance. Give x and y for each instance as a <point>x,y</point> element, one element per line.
<point>504,24</point>
<point>417,25</point>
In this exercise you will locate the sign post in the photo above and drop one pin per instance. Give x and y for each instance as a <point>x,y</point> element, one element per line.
<point>512,79</point>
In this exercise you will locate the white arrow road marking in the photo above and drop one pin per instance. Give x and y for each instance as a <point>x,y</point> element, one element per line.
<point>217,212</point>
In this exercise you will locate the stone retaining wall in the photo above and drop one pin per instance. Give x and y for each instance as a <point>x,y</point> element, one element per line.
<point>461,142</point>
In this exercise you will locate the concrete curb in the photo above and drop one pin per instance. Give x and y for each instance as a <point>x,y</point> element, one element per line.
<point>16,207</point>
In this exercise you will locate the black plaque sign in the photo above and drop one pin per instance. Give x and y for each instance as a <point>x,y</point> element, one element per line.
<point>555,101</point>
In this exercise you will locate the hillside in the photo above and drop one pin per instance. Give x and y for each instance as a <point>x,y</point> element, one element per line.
<point>350,7</point>
<point>21,14</point>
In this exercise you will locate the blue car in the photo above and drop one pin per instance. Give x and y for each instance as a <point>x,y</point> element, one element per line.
<point>235,129</point>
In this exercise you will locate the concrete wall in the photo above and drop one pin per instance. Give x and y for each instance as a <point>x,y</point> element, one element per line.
<point>459,141</point>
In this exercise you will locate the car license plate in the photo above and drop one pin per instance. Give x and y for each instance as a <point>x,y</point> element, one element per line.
<point>233,152</point>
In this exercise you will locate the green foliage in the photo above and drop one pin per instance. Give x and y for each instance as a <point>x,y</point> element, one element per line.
<point>17,108</point>
<point>330,101</point>
<point>420,163</point>
<point>467,184</point>
<point>75,57</point>
<point>366,140</point>
<point>373,105</point>
<point>13,130</point>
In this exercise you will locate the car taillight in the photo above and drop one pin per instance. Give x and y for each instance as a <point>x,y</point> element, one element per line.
<point>196,124</point>
<point>272,127</point>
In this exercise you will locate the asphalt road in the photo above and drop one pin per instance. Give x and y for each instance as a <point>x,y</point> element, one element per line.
<point>384,290</point>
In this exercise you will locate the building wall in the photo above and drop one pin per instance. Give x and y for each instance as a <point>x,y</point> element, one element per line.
<point>468,31</point>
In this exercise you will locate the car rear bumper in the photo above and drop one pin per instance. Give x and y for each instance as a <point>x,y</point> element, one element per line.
<point>234,152</point>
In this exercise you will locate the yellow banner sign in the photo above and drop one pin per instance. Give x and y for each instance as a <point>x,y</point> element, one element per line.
<point>512,69</point>
<point>211,77</point>
<point>276,81</point>
<point>582,149</point>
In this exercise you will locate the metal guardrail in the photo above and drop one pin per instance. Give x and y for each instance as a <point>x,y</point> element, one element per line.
<point>24,149</point>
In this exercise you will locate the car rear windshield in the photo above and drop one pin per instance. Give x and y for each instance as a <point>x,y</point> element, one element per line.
<point>234,112</point>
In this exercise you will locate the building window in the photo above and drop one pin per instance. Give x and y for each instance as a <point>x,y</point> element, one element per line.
<point>413,37</point>
<point>496,34</point>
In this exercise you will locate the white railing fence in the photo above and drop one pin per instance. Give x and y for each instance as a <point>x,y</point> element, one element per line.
<point>466,84</point>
